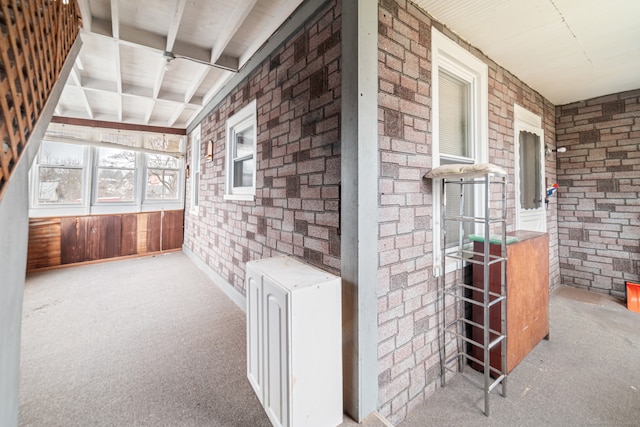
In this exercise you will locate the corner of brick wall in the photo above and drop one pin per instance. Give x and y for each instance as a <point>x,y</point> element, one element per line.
<point>598,215</point>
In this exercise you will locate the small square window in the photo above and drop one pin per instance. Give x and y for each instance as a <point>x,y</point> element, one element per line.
<point>241,155</point>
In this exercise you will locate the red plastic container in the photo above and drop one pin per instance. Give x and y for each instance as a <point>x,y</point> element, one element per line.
<point>633,296</point>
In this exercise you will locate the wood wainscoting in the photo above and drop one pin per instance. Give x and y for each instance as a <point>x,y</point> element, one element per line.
<point>68,240</point>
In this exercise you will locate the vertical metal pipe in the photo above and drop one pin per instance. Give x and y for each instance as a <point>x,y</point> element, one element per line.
<point>441,288</point>
<point>487,247</point>
<point>503,285</point>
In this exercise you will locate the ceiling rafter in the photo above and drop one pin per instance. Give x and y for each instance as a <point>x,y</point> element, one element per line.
<point>137,92</point>
<point>238,16</point>
<point>195,84</point>
<point>149,113</point>
<point>176,115</point>
<point>174,25</point>
<point>85,12</point>
<point>136,37</point>
<point>115,31</point>
<point>115,20</point>
<point>119,78</point>
<point>78,81</point>
<point>224,77</point>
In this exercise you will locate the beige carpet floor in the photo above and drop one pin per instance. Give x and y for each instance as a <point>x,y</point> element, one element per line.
<point>153,342</point>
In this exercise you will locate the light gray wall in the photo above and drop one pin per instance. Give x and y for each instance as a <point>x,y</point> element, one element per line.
<point>14,238</point>
<point>359,240</point>
<point>14,221</point>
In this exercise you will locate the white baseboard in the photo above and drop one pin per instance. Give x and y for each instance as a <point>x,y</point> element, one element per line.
<point>224,286</point>
<point>382,419</point>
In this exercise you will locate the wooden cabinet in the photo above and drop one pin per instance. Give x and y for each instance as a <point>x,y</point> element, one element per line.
<point>294,342</point>
<point>527,283</point>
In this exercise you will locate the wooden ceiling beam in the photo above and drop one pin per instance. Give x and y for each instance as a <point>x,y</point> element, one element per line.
<point>174,25</point>
<point>238,16</point>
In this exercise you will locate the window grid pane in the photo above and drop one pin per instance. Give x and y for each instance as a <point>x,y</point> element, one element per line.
<point>530,181</point>
<point>162,184</point>
<point>243,173</point>
<point>61,186</point>
<point>454,116</point>
<point>115,185</point>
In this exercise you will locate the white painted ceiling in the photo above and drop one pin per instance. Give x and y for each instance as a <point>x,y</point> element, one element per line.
<point>568,50</point>
<point>122,74</point>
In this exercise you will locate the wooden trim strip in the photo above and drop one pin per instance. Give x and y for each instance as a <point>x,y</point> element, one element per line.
<point>114,125</point>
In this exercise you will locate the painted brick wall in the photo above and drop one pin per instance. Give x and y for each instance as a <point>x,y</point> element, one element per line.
<point>407,347</point>
<point>297,184</point>
<point>599,212</point>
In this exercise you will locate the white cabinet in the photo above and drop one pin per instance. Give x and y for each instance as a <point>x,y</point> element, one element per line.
<point>294,342</point>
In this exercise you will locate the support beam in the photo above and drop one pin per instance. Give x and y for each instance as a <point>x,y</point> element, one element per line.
<point>149,113</point>
<point>115,20</point>
<point>295,21</point>
<point>195,84</point>
<point>75,75</point>
<point>138,38</point>
<point>85,13</point>
<point>176,115</point>
<point>224,77</point>
<point>174,25</point>
<point>359,220</point>
<point>239,14</point>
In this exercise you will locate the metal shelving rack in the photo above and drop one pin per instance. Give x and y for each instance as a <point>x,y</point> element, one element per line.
<point>456,295</point>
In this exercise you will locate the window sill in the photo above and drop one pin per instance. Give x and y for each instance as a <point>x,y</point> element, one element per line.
<point>246,197</point>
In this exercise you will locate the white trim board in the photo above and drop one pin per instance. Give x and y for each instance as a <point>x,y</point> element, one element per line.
<point>226,287</point>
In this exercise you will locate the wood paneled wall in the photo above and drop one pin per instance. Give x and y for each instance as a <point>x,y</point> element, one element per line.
<point>69,240</point>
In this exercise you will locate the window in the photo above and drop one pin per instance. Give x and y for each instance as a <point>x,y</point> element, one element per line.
<point>529,170</point>
<point>115,176</point>
<point>241,154</point>
<point>60,174</point>
<point>83,171</point>
<point>195,171</point>
<point>460,123</point>
<point>530,180</point>
<point>162,177</point>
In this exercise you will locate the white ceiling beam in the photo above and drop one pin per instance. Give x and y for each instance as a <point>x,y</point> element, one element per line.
<point>77,80</point>
<point>138,38</point>
<point>85,12</point>
<point>103,86</point>
<point>174,25</point>
<point>162,69</point>
<point>224,77</point>
<point>79,63</point>
<point>238,16</point>
<point>147,116</point>
<point>115,20</point>
<point>196,81</point>
<point>120,107</point>
<point>176,115</point>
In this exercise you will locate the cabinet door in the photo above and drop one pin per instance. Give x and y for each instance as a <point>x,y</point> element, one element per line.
<point>254,335</point>
<point>276,372</point>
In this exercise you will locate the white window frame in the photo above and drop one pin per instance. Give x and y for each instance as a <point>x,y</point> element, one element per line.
<point>113,207</point>
<point>89,205</point>
<point>147,168</point>
<point>527,121</point>
<point>243,119</point>
<point>62,209</point>
<point>196,146</point>
<point>448,56</point>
